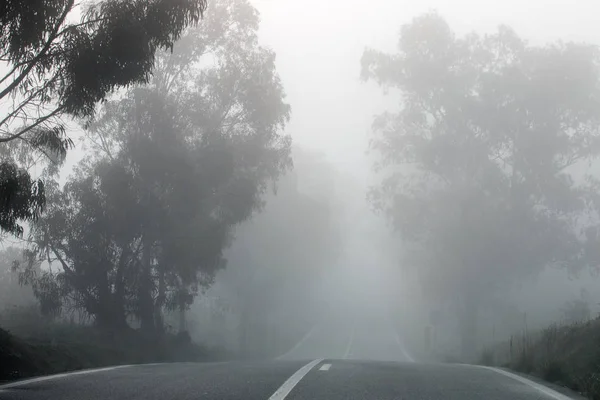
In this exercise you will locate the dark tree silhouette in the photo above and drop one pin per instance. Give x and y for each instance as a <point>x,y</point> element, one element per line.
<point>478,159</point>
<point>58,67</point>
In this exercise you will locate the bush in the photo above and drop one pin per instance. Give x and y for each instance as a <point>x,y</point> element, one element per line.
<point>567,354</point>
<point>64,347</point>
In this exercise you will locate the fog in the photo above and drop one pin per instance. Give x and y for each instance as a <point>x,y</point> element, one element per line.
<point>384,180</point>
<point>317,54</point>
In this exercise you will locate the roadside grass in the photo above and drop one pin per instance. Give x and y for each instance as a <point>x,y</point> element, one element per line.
<point>33,348</point>
<point>563,354</point>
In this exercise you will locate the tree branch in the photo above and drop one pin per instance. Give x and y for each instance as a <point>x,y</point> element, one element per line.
<point>70,27</point>
<point>27,101</point>
<point>41,54</point>
<point>30,127</point>
<point>63,263</point>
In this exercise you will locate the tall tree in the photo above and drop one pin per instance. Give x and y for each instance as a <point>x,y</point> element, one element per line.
<point>56,67</point>
<point>478,160</point>
<point>178,162</point>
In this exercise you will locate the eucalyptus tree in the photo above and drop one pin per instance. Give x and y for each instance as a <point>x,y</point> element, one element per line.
<point>478,160</point>
<point>175,164</point>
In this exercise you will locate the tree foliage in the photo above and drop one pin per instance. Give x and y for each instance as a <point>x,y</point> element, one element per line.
<point>478,161</point>
<point>177,163</point>
<point>12,294</point>
<point>56,66</point>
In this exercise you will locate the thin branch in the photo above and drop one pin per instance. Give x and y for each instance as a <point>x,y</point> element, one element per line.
<point>30,127</point>
<point>27,101</point>
<point>65,266</point>
<point>183,66</point>
<point>104,145</point>
<point>42,151</point>
<point>75,26</point>
<point>573,159</point>
<point>41,54</point>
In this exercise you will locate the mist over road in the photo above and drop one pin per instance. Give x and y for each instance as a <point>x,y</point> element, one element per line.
<point>362,337</point>
<point>329,379</point>
<point>345,356</point>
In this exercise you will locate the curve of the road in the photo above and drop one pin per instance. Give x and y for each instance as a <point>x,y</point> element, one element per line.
<point>354,360</point>
<point>355,338</point>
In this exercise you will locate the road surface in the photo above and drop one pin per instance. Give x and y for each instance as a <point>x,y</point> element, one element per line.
<point>333,361</point>
<point>371,336</point>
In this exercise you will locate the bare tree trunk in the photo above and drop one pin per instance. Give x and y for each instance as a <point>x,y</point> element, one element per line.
<point>119,294</point>
<point>468,329</point>
<point>160,301</point>
<point>119,302</point>
<point>145,301</point>
<point>105,313</point>
<point>182,321</point>
<point>244,347</point>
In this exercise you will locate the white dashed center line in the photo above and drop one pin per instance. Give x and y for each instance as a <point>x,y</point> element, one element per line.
<point>325,367</point>
<point>293,380</point>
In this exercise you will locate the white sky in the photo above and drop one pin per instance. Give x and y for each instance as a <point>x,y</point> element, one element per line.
<point>319,44</point>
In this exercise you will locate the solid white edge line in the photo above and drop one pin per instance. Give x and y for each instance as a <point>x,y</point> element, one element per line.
<point>293,380</point>
<point>325,367</point>
<point>404,352</point>
<point>539,387</point>
<point>399,341</point>
<point>63,375</point>
<point>349,346</point>
<point>300,343</point>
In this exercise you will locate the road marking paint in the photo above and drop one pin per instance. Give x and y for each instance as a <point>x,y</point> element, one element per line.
<point>293,380</point>
<point>541,388</point>
<point>349,346</point>
<point>300,343</point>
<point>402,349</point>
<point>325,367</point>
<point>57,376</point>
<point>399,341</point>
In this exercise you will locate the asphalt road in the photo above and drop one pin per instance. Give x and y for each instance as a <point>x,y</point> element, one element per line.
<point>333,361</point>
<point>369,337</point>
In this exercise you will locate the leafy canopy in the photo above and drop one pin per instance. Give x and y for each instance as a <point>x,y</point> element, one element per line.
<point>175,165</point>
<point>478,161</point>
<point>58,67</point>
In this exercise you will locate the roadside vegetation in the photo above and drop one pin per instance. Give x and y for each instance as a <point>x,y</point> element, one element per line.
<point>489,173</point>
<point>182,130</point>
<point>489,167</point>
<point>566,354</point>
<point>187,194</point>
<point>33,344</point>
<point>182,149</point>
<point>55,347</point>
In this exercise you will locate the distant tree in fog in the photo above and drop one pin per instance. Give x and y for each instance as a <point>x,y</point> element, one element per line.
<point>142,225</point>
<point>478,160</point>
<point>578,310</point>
<point>12,293</point>
<point>56,66</point>
<point>279,254</point>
